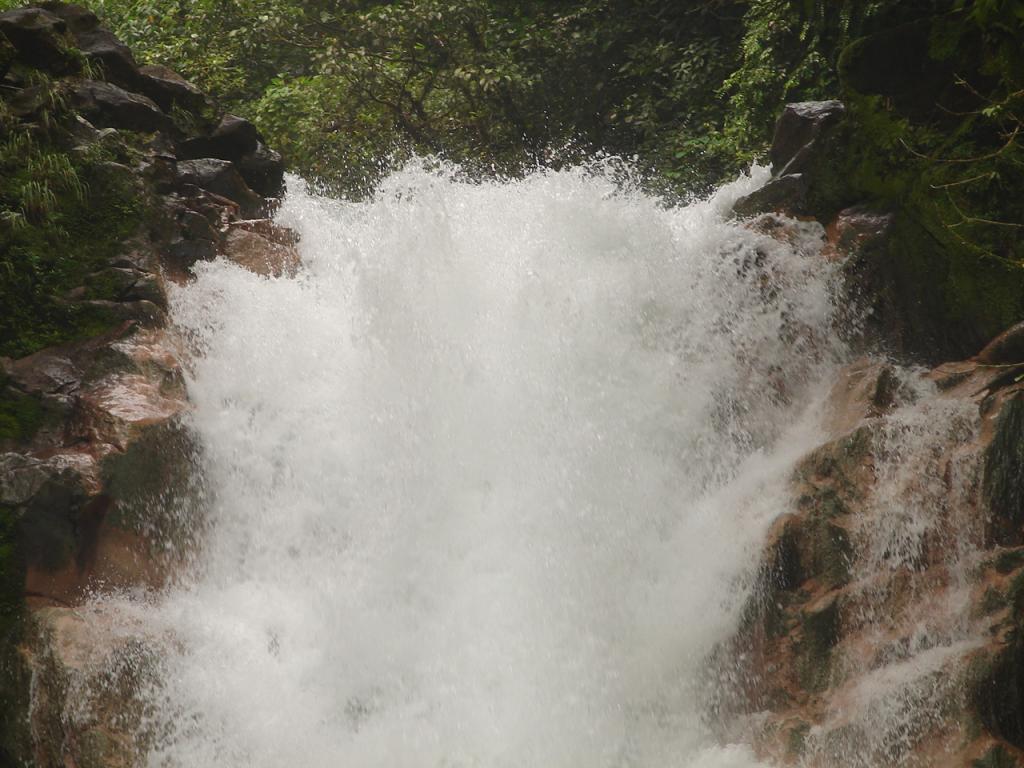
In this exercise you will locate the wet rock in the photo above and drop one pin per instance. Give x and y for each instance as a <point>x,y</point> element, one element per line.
<point>195,226</point>
<point>1003,482</point>
<point>263,169</point>
<point>269,229</point>
<point>107,105</point>
<point>87,673</point>
<point>784,194</point>
<point>181,254</point>
<point>40,38</point>
<point>98,43</point>
<point>857,227</point>
<point>237,140</point>
<point>8,53</point>
<point>221,178</point>
<point>260,254</point>
<point>998,695</point>
<point>820,628</point>
<point>169,89</point>
<point>996,757</point>
<point>1005,349</point>
<point>233,138</point>
<point>796,133</point>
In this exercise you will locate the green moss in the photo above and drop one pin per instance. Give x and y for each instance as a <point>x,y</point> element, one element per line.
<point>992,601</point>
<point>932,138</point>
<point>796,740</point>
<point>996,757</point>
<point>21,415</point>
<point>14,736</point>
<point>1003,479</point>
<point>55,232</point>
<point>820,633</point>
<point>1009,561</point>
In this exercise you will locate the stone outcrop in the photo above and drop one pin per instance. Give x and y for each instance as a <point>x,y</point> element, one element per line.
<point>97,484</point>
<point>887,620</point>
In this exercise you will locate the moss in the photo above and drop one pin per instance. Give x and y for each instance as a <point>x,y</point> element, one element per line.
<point>63,216</point>
<point>997,683</point>
<point>1003,479</point>
<point>1015,595</point>
<point>14,736</point>
<point>921,142</point>
<point>1009,561</point>
<point>21,415</point>
<point>991,602</point>
<point>796,740</point>
<point>820,633</point>
<point>996,757</point>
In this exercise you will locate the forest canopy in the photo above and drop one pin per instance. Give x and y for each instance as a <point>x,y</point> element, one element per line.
<point>691,89</point>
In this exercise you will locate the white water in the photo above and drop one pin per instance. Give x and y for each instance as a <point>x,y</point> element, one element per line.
<point>491,477</point>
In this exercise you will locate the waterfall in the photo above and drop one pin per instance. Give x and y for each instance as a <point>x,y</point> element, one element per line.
<point>489,477</point>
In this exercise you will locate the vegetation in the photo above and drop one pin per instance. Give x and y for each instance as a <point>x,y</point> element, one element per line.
<point>49,190</point>
<point>689,91</point>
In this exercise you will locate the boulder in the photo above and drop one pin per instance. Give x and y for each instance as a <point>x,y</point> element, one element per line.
<point>233,138</point>
<point>1003,480</point>
<point>40,38</point>
<point>1005,349</point>
<point>238,140</point>
<point>87,671</point>
<point>97,43</point>
<point>168,89</point>
<point>107,105</point>
<point>797,131</point>
<point>785,194</point>
<point>8,53</point>
<point>221,178</point>
<point>260,254</point>
<point>263,169</point>
<point>857,227</point>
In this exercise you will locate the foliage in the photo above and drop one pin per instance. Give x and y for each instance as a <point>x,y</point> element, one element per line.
<point>488,83</point>
<point>63,215</point>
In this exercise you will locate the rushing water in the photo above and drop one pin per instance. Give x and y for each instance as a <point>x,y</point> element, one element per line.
<point>490,476</point>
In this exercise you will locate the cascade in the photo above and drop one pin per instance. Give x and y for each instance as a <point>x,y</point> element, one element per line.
<point>490,477</point>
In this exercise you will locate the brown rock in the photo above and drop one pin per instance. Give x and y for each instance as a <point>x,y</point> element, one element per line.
<point>260,254</point>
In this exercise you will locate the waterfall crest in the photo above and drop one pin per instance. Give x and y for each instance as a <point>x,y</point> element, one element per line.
<point>490,475</point>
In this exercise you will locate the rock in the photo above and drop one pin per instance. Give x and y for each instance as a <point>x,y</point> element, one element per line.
<point>1005,349</point>
<point>797,131</point>
<point>857,227</point>
<point>1003,479</point>
<point>999,694</point>
<point>169,89</point>
<point>785,194</point>
<point>40,38</point>
<point>237,140</point>
<point>263,169</point>
<point>820,632</point>
<point>233,138</point>
<point>8,53</point>
<point>221,177</point>
<point>269,229</point>
<point>181,254</point>
<point>195,226</point>
<point>98,484</point>
<point>98,43</point>
<point>107,105</point>
<point>864,389</point>
<point>259,254</point>
<point>87,669</point>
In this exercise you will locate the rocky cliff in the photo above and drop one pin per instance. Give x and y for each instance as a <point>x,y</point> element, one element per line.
<point>116,178</point>
<point>886,626</point>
